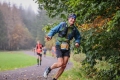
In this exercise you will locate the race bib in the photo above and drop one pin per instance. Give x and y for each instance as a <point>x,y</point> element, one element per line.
<point>64,46</point>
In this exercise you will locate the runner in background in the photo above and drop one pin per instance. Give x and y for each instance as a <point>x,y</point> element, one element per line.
<point>38,50</point>
<point>53,51</point>
<point>34,50</point>
<point>45,50</point>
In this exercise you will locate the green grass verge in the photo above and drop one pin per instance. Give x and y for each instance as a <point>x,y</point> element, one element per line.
<point>71,74</point>
<point>15,59</point>
<point>74,73</point>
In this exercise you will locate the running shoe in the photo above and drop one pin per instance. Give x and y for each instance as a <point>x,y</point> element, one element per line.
<point>47,71</point>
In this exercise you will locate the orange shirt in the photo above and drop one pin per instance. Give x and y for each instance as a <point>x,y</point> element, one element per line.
<point>39,48</point>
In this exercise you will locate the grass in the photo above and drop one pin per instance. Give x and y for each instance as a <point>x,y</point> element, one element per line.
<point>74,73</point>
<point>15,59</point>
<point>71,74</point>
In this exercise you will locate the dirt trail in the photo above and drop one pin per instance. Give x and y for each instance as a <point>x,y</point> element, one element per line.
<point>31,72</point>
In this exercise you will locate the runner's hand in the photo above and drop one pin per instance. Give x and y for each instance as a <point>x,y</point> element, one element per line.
<point>77,45</point>
<point>48,38</point>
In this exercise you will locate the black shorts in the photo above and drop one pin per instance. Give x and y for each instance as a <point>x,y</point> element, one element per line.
<point>39,54</point>
<point>61,53</point>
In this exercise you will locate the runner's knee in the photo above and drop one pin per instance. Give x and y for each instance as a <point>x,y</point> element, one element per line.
<point>64,66</point>
<point>60,64</point>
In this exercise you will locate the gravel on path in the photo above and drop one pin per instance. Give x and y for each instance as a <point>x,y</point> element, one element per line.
<point>32,72</point>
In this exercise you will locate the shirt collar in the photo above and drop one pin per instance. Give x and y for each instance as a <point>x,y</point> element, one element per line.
<point>69,25</point>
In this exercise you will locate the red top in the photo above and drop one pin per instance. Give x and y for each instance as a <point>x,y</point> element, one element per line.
<point>39,48</point>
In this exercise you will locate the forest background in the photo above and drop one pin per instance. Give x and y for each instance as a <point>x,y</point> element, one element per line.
<point>20,28</point>
<point>97,20</point>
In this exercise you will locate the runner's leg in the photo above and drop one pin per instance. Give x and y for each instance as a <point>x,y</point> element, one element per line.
<point>45,54</point>
<point>37,59</point>
<point>61,70</point>
<point>55,65</point>
<point>58,64</point>
<point>40,58</point>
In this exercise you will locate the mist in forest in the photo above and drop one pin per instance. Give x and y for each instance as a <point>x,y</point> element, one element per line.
<point>20,28</point>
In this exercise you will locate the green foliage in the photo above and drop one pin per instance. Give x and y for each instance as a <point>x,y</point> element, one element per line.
<point>79,57</point>
<point>115,21</point>
<point>54,7</point>
<point>14,60</point>
<point>86,10</point>
<point>48,27</point>
<point>103,44</point>
<point>96,45</point>
<point>108,70</point>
